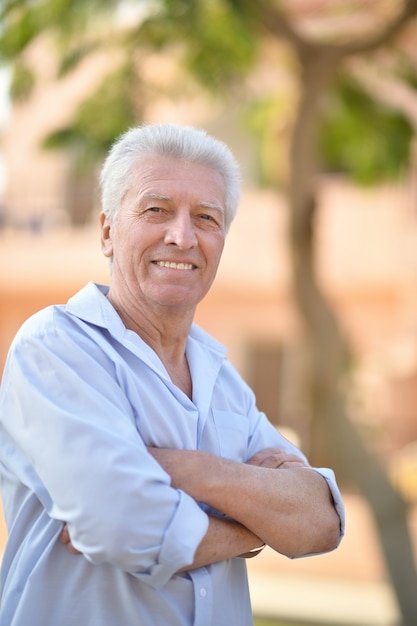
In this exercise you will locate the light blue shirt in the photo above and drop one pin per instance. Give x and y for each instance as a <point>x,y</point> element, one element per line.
<point>81,398</point>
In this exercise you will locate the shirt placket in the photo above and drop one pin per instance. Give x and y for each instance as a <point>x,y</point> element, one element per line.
<point>203,597</point>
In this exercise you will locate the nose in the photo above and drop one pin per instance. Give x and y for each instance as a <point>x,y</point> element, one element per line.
<point>181,231</point>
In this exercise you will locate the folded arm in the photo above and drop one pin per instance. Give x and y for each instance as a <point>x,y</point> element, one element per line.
<point>275,496</point>
<point>224,539</point>
<point>290,509</point>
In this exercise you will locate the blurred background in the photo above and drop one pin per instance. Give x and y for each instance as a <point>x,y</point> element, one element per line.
<point>316,295</point>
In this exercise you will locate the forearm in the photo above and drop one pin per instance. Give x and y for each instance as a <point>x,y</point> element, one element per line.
<point>225,539</point>
<point>289,509</point>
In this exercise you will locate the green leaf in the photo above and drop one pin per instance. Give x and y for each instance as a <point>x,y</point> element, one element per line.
<point>361,137</point>
<point>111,110</point>
<point>219,48</point>
<point>22,82</point>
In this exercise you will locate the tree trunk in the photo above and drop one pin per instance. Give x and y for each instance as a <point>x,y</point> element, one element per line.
<point>333,433</point>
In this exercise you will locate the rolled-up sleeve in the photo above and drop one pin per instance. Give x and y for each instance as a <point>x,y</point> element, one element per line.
<point>178,545</point>
<point>330,479</point>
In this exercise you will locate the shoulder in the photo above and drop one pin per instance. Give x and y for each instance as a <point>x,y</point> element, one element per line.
<point>82,310</point>
<point>41,324</point>
<point>53,328</point>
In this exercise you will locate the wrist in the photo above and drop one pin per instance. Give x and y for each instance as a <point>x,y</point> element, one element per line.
<point>251,553</point>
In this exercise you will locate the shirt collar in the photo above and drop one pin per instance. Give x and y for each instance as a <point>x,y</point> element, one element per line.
<point>92,306</point>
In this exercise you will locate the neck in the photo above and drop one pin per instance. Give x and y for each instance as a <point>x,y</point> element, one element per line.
<point>166,331</point>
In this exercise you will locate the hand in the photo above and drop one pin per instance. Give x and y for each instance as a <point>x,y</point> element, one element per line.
<point>275,458</point>
<point>66,540</point>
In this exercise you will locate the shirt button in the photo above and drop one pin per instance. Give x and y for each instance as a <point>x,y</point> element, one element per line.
<point>203,592</point>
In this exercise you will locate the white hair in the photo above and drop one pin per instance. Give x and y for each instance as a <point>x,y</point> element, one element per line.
<point>182,142</point>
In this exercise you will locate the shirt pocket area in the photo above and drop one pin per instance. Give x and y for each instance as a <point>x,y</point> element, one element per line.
<point>232,430</point>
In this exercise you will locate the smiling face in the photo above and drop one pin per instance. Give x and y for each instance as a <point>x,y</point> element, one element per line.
<point>168,238</point>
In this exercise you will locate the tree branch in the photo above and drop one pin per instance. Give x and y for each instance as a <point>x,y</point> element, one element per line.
<point>377,40</point>
<point>274,21</point>
<point>394,93</point>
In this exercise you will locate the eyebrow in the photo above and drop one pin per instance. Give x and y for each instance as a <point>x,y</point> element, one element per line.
<point>206,205</point>
<point>155,196</point>
<point>212,205</point>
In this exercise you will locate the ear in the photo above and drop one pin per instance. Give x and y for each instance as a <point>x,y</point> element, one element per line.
<point>105,237</point>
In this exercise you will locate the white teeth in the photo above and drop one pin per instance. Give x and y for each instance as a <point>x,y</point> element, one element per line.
<point>175,266</point>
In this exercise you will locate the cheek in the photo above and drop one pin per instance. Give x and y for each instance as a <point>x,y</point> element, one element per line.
<point>217,250</point>
<point>213,256</point>
<point>125,245</point>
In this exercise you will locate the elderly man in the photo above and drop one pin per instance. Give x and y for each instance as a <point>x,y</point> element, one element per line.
<point>128,439</point>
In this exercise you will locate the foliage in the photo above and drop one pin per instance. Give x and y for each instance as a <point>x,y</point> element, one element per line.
<point>267,118</point>
<point>22,83</point>
<point>219,47</point>
<point>99,119</point>
<point>210,36</point>
<point>24,20</point>
<point>219,43</point>
<point>361,137</point>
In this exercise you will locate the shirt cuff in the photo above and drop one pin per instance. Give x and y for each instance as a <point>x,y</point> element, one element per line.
<point>182,538</point>
<point>330,478</point>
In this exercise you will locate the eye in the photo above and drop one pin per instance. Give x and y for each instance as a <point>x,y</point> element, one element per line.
<point>154,212</point>
<point>210,220</point>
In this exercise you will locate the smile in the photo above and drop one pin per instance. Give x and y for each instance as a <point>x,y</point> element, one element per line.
<point>175,266</point>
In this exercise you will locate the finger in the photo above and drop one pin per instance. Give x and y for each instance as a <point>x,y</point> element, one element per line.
<point>295,461</point>
<point>292,459</point>
<point>280,463</point>
<point>65,538</point>
<point>72,550</point>
<point>259,457</point>
<point>64,535</point>
<point>276,459</point>
<point>270,461</point>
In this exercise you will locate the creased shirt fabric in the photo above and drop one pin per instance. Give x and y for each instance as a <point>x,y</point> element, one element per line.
<point>80,400</point>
